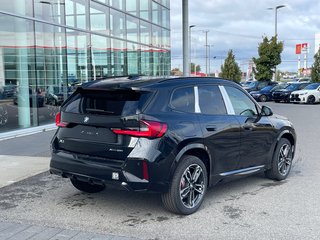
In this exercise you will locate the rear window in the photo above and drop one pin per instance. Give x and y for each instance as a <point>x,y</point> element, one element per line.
<point>116,103</point>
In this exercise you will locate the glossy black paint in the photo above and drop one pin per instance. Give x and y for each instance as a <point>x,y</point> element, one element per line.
<point>227,144</point>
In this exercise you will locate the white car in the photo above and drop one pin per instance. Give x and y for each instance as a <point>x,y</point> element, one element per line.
<point>310,94</point>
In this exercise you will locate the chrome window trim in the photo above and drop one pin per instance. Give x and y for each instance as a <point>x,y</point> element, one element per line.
<point>196,100</point>
<point>227,101</point>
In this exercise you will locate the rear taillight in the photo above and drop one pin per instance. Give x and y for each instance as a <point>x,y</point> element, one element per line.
<point>58,121</point>
<point>148,129</point>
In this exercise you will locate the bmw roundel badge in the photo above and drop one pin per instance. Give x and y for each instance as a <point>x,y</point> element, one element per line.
<point>86,119</point>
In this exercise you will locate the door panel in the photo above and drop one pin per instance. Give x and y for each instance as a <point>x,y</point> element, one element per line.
<point>256,133</point>
<point>256,140</point>
<point>221,131</point>
<point>222,137</point>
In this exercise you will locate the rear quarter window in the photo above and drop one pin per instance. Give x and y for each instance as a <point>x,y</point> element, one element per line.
<point>182,99</point>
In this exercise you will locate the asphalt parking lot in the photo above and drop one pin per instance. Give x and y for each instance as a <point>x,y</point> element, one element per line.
<point>250,208</point>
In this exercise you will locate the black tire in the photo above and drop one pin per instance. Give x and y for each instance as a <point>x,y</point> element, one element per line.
<point>188,186</point>
<point>311,99</point>
<point>281,162</point>
<point>277,101</point>
<point>263,98</point>
<point>87,187</point>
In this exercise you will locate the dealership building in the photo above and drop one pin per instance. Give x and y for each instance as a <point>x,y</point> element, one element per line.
<point>49,47</point>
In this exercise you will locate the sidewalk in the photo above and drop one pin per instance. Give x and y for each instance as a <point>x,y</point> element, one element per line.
<point>15,231</point>
<point>21,158</point>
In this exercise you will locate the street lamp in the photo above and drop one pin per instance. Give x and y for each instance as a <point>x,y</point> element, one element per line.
<point>185,39</point>
<point>191,26</point>
<point>275,30</point>
<point>276,17</point>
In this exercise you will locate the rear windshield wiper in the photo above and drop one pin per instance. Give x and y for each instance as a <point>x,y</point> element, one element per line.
<point>94,110</point>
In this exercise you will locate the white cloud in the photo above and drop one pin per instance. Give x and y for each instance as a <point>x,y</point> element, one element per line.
<point>240,25</point>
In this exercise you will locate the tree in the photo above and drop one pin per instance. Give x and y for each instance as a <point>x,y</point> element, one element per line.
<point>230,69</point>
<point>315,71</point>
<point>269,57</point>
<point>176,72</point>
<point>193,65</point>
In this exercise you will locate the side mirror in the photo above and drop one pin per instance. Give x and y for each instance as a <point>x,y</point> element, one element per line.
<point>266,111</point>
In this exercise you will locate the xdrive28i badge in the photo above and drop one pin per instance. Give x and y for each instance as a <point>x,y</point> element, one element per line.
<point>86,119</point>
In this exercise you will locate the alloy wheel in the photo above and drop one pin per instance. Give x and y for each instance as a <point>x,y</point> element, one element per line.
<point>311,100</point>
<point>192,186</point>
<point>263,98</point>
<point>285,159</point>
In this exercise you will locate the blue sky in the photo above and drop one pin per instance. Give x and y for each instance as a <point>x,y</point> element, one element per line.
<point>240,26</point>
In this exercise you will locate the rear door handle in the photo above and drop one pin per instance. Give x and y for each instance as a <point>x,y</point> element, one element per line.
<point>211,128</point>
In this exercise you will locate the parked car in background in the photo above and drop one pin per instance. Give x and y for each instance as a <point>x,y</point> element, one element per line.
<point>176,136</point>
<point>283,95</point>
<point>55,95</point>
<point>246,83</point>
<point>310,94</point>
<point>258,85</point>
<point>265,94</point>
<point>33,96</point>
<point>7,91</point>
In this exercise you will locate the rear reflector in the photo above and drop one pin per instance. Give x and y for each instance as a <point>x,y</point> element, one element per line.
<point>148,129</point>
<point>58,121</point>
<point>145,170</point>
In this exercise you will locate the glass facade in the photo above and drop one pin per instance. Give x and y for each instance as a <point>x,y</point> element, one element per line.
<point>49,47</point>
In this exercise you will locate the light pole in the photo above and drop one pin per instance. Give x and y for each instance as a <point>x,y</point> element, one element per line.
<point>191,26</point>
<point>185,40</point>
<point>275,31</point>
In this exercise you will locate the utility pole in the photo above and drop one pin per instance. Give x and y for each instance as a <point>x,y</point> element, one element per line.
<point>206,32</point>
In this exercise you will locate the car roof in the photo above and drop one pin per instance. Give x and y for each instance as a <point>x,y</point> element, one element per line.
<point>151,82</point>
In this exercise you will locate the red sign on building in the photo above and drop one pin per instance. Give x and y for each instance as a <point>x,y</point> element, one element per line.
<point>298,48</point>
<point>304,46</point>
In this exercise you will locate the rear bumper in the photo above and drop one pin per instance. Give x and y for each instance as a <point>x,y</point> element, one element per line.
<point>126,175</point>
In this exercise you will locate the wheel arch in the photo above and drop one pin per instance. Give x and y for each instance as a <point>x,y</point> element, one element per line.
<point>198,150</point>
<point>287,134</point>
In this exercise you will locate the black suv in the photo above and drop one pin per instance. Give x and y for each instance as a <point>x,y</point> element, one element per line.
<point>284,94</point>
<point>175,136</point>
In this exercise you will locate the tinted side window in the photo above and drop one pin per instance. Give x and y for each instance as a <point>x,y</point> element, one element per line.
<point>211,101</point>
<point>302,86</point>
<point>182,99</point>
<point>241,103</point>
<point>262,84</point>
